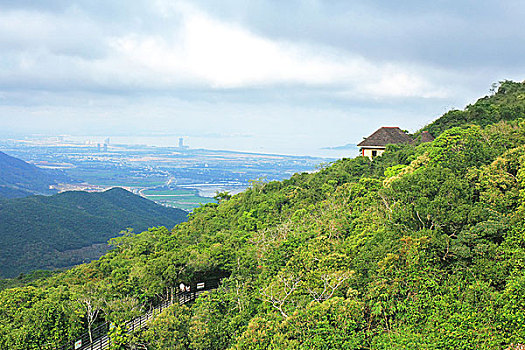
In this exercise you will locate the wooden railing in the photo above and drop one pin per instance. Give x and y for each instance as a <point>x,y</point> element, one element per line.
<point>100,335</point>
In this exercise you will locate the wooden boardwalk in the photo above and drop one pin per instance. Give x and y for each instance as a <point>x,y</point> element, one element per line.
<point>100,336</point>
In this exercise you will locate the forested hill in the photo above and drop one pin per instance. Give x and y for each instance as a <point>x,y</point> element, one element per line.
<point>421,248</point>
<point>47,232</point>
<point>505,105</point>
<point>21,179</point>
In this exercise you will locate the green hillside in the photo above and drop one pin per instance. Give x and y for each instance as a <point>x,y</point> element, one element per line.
<point>20,179</point>
<point>421,248</point>
<point>47,232</point>
<point>505,105</point>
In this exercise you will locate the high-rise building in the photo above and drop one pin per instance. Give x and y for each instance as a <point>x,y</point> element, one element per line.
<point>181,143</point>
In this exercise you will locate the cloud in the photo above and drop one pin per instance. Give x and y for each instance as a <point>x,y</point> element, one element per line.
<point>72,34</point>
<point>313,71</point>
<point>222,55</point>
<point>72,50</point>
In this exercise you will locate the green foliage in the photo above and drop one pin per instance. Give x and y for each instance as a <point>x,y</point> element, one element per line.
<point>460,148</point>
<point>33,318</point>
<point>505,105</point>
<point>168,331</point>
<point>222,196</point>
<point>118,337</point>
<point>421,248</point>
<point>25,279</point>
<point>336,323</point>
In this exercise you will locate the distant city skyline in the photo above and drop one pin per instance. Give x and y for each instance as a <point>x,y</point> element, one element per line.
<point>288,77</point>
<point>273,146</point>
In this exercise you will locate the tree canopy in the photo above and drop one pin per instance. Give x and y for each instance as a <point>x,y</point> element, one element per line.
<point>420,248</point>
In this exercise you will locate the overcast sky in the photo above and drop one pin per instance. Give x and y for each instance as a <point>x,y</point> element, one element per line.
<point>273,76</point>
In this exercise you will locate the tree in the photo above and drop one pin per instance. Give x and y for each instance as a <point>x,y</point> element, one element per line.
<point>168,331</point>
<point>91,300</point>
<point>222,196</point>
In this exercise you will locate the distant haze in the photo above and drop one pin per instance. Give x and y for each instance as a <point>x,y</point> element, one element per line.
<point>289,77</point>
<point>271,145</point>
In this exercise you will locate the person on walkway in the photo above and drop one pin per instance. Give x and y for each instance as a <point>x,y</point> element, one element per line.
<point>182,287</point>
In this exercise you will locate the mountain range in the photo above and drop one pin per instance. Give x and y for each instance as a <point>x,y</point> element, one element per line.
<point>65,229</point>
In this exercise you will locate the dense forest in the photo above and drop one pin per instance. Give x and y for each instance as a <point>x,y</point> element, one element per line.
<point>421,248</point>
<point>66,229</point>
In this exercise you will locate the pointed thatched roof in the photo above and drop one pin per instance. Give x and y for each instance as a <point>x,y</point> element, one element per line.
<point>385,136</point>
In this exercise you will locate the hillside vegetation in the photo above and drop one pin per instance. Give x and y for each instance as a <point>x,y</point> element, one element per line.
<point>20,179</point>
<point>48,232</point>
<point>421,248</point>
<point>505,105</point>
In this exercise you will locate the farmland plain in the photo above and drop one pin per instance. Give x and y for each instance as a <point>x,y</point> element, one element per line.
<point>172,176</point>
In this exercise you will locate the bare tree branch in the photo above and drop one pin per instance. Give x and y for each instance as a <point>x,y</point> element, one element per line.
<point>278,298</point>
<point>331,282</point>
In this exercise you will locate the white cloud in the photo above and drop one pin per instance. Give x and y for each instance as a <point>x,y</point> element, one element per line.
<point>194,50</point>
<point>394,83</point>
<point>223,55</point>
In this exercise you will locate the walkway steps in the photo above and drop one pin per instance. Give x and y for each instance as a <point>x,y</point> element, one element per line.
<point>100,336</point>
